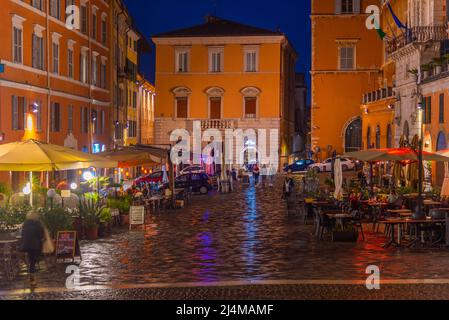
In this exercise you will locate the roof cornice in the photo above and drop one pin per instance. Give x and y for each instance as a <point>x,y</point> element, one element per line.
<point>214,40</point>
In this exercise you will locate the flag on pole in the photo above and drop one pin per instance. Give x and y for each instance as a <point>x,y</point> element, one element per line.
<point>395,17</point>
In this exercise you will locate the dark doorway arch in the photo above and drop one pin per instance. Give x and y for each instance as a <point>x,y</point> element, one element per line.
<point>368,138</point>
<point>389,137</point>
<point>353,136</point>
<point>377,137</point>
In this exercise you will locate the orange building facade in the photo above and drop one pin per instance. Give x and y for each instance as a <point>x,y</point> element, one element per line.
<point>55,83</point>
<point>227,76</point>
<point>346,62</point>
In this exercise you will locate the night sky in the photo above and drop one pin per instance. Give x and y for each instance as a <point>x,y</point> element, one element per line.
<point>291,16</point>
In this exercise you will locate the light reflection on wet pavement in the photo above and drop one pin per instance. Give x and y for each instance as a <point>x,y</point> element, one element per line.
<point>246,235</point>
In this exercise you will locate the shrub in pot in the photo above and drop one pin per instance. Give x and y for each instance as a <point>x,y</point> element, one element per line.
<point>90,210</point>
<point>57,219</point>
<point>123,204</point>
<point>105,222</point>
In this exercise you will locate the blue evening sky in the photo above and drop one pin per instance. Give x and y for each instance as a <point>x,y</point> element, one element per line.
<point>291,16</point>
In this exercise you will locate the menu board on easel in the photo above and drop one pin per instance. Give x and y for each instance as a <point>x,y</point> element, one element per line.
<point>67,246</point>
<point>136,216</point>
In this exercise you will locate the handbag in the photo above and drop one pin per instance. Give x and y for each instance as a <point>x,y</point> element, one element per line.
<point>48,246</point>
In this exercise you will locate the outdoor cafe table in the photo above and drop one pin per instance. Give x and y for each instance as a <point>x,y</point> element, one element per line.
<point>401,212</point>
<point>339,217</point>
<point>400,224</point>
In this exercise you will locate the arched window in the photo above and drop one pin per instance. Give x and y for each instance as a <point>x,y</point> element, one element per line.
<point>389,137</point>
<point>353,136</point>
<point>368,138</point>
<point>377,137</point>
<point>215,102</point>
<point>441,142</point>
<point>181,95</point>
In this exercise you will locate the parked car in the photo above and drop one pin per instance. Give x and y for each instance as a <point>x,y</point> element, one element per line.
<point>326,165</point>
<point>155,177</point>
<point>199,182</point>
<point>192,169</point>
<point>299,166</point>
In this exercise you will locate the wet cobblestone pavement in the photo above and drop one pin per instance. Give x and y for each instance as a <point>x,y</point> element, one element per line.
<point>244,236</point>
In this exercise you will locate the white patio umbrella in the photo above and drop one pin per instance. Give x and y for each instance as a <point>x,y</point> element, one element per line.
<point>445,188</point>
<point>338,179</point>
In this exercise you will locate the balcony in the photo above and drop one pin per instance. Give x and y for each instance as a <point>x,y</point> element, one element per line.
<point>217,124</point>
<point>416,35</point>
<point>383,93</point>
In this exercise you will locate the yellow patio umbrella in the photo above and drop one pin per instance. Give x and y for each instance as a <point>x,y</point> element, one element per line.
<point>32,155</point>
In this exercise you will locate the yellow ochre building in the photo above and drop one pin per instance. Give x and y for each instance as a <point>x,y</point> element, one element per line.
<point>226,75</point>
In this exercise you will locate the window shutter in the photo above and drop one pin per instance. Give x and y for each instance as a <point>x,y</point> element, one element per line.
<point>14,111</point>
<point>24,112</point>
<point>356,6</point>
<point>337,6</point>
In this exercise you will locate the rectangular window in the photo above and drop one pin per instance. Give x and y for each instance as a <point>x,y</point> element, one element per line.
<point>251,61</point>
<point>38,52</point>
<point>134,99</point>
<point>104,32</point>
<point>18,112</point>
<point>215,108</point>
<point>70,118</point>
<point>17,45</point>
<point>84,120</point>
<point>37,4</point>
<point>103,75</point>
<point>347,58</point>
<point>427,110</point>
<point>55,49</point>
<point>83,14</point>
<point>181,108</point>
<point>216,60</point>
<point>55,8</point>
<point>182,60</point>
<point>94,26</point>
<point>94,71</point>
<point>441,114</point>
<point>70,63</point>
<point>347,6</point>
<point>83,68</point>
<point>55,117</point>
<point>250,108</point>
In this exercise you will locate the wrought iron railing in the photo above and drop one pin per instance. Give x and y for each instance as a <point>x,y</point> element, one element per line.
<point>217,124</point>
<point>417,35</point>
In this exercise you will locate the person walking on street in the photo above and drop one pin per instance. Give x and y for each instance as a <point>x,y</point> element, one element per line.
<point>289,186</point>
<point>33,236</point>
<point>256,174</point>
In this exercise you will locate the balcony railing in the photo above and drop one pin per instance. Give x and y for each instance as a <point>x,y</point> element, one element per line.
<point>417,35</point>
<point>377,95</point>
<point>217,124</point>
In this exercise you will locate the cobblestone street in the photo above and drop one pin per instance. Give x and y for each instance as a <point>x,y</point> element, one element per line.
<point>244,236</point>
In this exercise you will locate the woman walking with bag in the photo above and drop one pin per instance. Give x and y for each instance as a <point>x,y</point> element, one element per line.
<point>33,237</point>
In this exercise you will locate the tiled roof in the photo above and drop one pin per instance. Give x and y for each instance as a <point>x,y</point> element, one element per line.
<point>218,27</point>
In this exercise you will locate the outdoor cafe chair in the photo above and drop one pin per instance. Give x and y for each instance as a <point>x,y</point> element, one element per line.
<point>356,221</point>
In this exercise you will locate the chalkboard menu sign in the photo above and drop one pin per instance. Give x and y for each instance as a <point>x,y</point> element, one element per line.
<point>136,216</point>
<point>66,244</point>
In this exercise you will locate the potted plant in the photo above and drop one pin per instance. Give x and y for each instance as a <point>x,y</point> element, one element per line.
<point>11,218</point>
<point>123,204</point>
<point>346,234</point>
<point>414,73</point>
<point>90,210</point>
<point>426,69</point>
<point>57,219</point>
<point>105,223</point>
<point>438,65</point>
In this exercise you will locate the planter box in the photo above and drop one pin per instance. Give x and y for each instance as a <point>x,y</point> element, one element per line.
<point>124,219</point>
<point>345,236</point>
